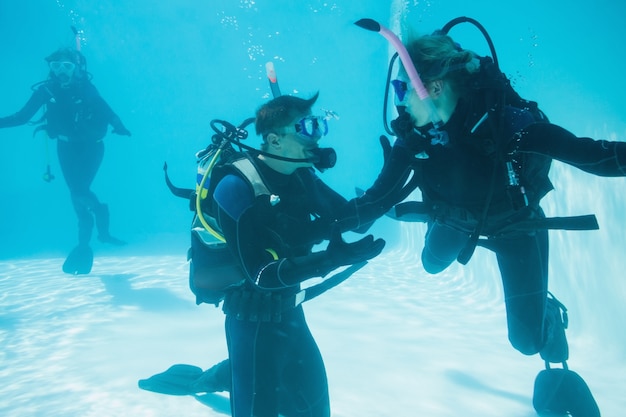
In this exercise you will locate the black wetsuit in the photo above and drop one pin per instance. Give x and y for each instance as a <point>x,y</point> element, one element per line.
<point>78,117</point>
<point>276,365</point>
<point>457,180</point>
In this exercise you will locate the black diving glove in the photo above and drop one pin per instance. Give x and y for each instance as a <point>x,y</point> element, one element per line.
<point>386,145</point>
<point>292,271</point>
<point>341,253</point>
<point>119,128</point>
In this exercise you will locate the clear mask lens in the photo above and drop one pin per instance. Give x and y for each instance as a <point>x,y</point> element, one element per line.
<point>312,127</point>
<point>62,66</point>
<point>401,89</point>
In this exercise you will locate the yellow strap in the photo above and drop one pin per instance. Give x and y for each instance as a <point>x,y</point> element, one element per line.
<point>199,199</point>
<point>272,252</point>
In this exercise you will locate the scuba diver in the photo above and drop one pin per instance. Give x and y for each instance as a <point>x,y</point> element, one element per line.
<point>481,156</point>
<point>269,208</point>
<point>275,363</point>
<point>77,117</point>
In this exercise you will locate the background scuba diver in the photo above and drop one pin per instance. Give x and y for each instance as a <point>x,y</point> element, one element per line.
<point>77,116</point>
<point>275,363</point>
<point>486,181</point>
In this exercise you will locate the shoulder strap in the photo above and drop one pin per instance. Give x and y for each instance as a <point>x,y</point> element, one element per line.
<point>245,167</point>
<point>250,172</point>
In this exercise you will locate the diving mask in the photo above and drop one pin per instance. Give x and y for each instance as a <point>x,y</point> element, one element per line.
<point>62,66</point>
<point>314,127</point>
<point>401,88</point>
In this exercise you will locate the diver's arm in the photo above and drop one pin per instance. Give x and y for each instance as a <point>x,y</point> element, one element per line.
<point>397,179</point>
<point>598,157</point>
<point>241,217</point>
<point>39,97</point>
<point>331,197</point>
<point>113,119</point>
<point>330,203</point>
<point>242,225</point>
<point>359,213</point>
<point>288,272</point>
<point>118,126</point>
<point>394,184</point>
<point>245,234</point>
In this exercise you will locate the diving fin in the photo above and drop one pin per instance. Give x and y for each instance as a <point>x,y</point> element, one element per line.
<point>177,380</point>
<point>79,261</point>
<point>563,392</point>
<point>184,379</point>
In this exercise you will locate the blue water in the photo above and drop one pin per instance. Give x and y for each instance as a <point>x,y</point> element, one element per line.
<point>168,68</point>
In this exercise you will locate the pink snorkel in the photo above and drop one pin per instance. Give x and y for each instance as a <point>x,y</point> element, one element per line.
<point>76,38</point>
<point>441,137</point>
<point>271,76</point>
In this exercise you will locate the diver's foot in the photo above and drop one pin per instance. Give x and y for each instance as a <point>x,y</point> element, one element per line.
<point>111,240</point>
<point>215,379</point>
<point>79,261</point>
<point>555,349</point>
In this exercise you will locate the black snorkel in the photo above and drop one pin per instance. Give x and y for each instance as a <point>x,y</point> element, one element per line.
<point>446,28</point>
<point>392,61</point>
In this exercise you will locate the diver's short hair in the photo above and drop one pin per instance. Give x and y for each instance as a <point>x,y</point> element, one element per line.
<point>278,112</point>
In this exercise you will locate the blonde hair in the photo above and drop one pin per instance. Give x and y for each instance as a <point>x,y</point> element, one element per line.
<point>438,57</point>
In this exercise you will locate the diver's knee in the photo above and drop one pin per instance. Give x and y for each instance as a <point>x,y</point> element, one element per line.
<point>432,264</point>
<point>432,268</point>
<point>526,349</point>
<point>525,344</point>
